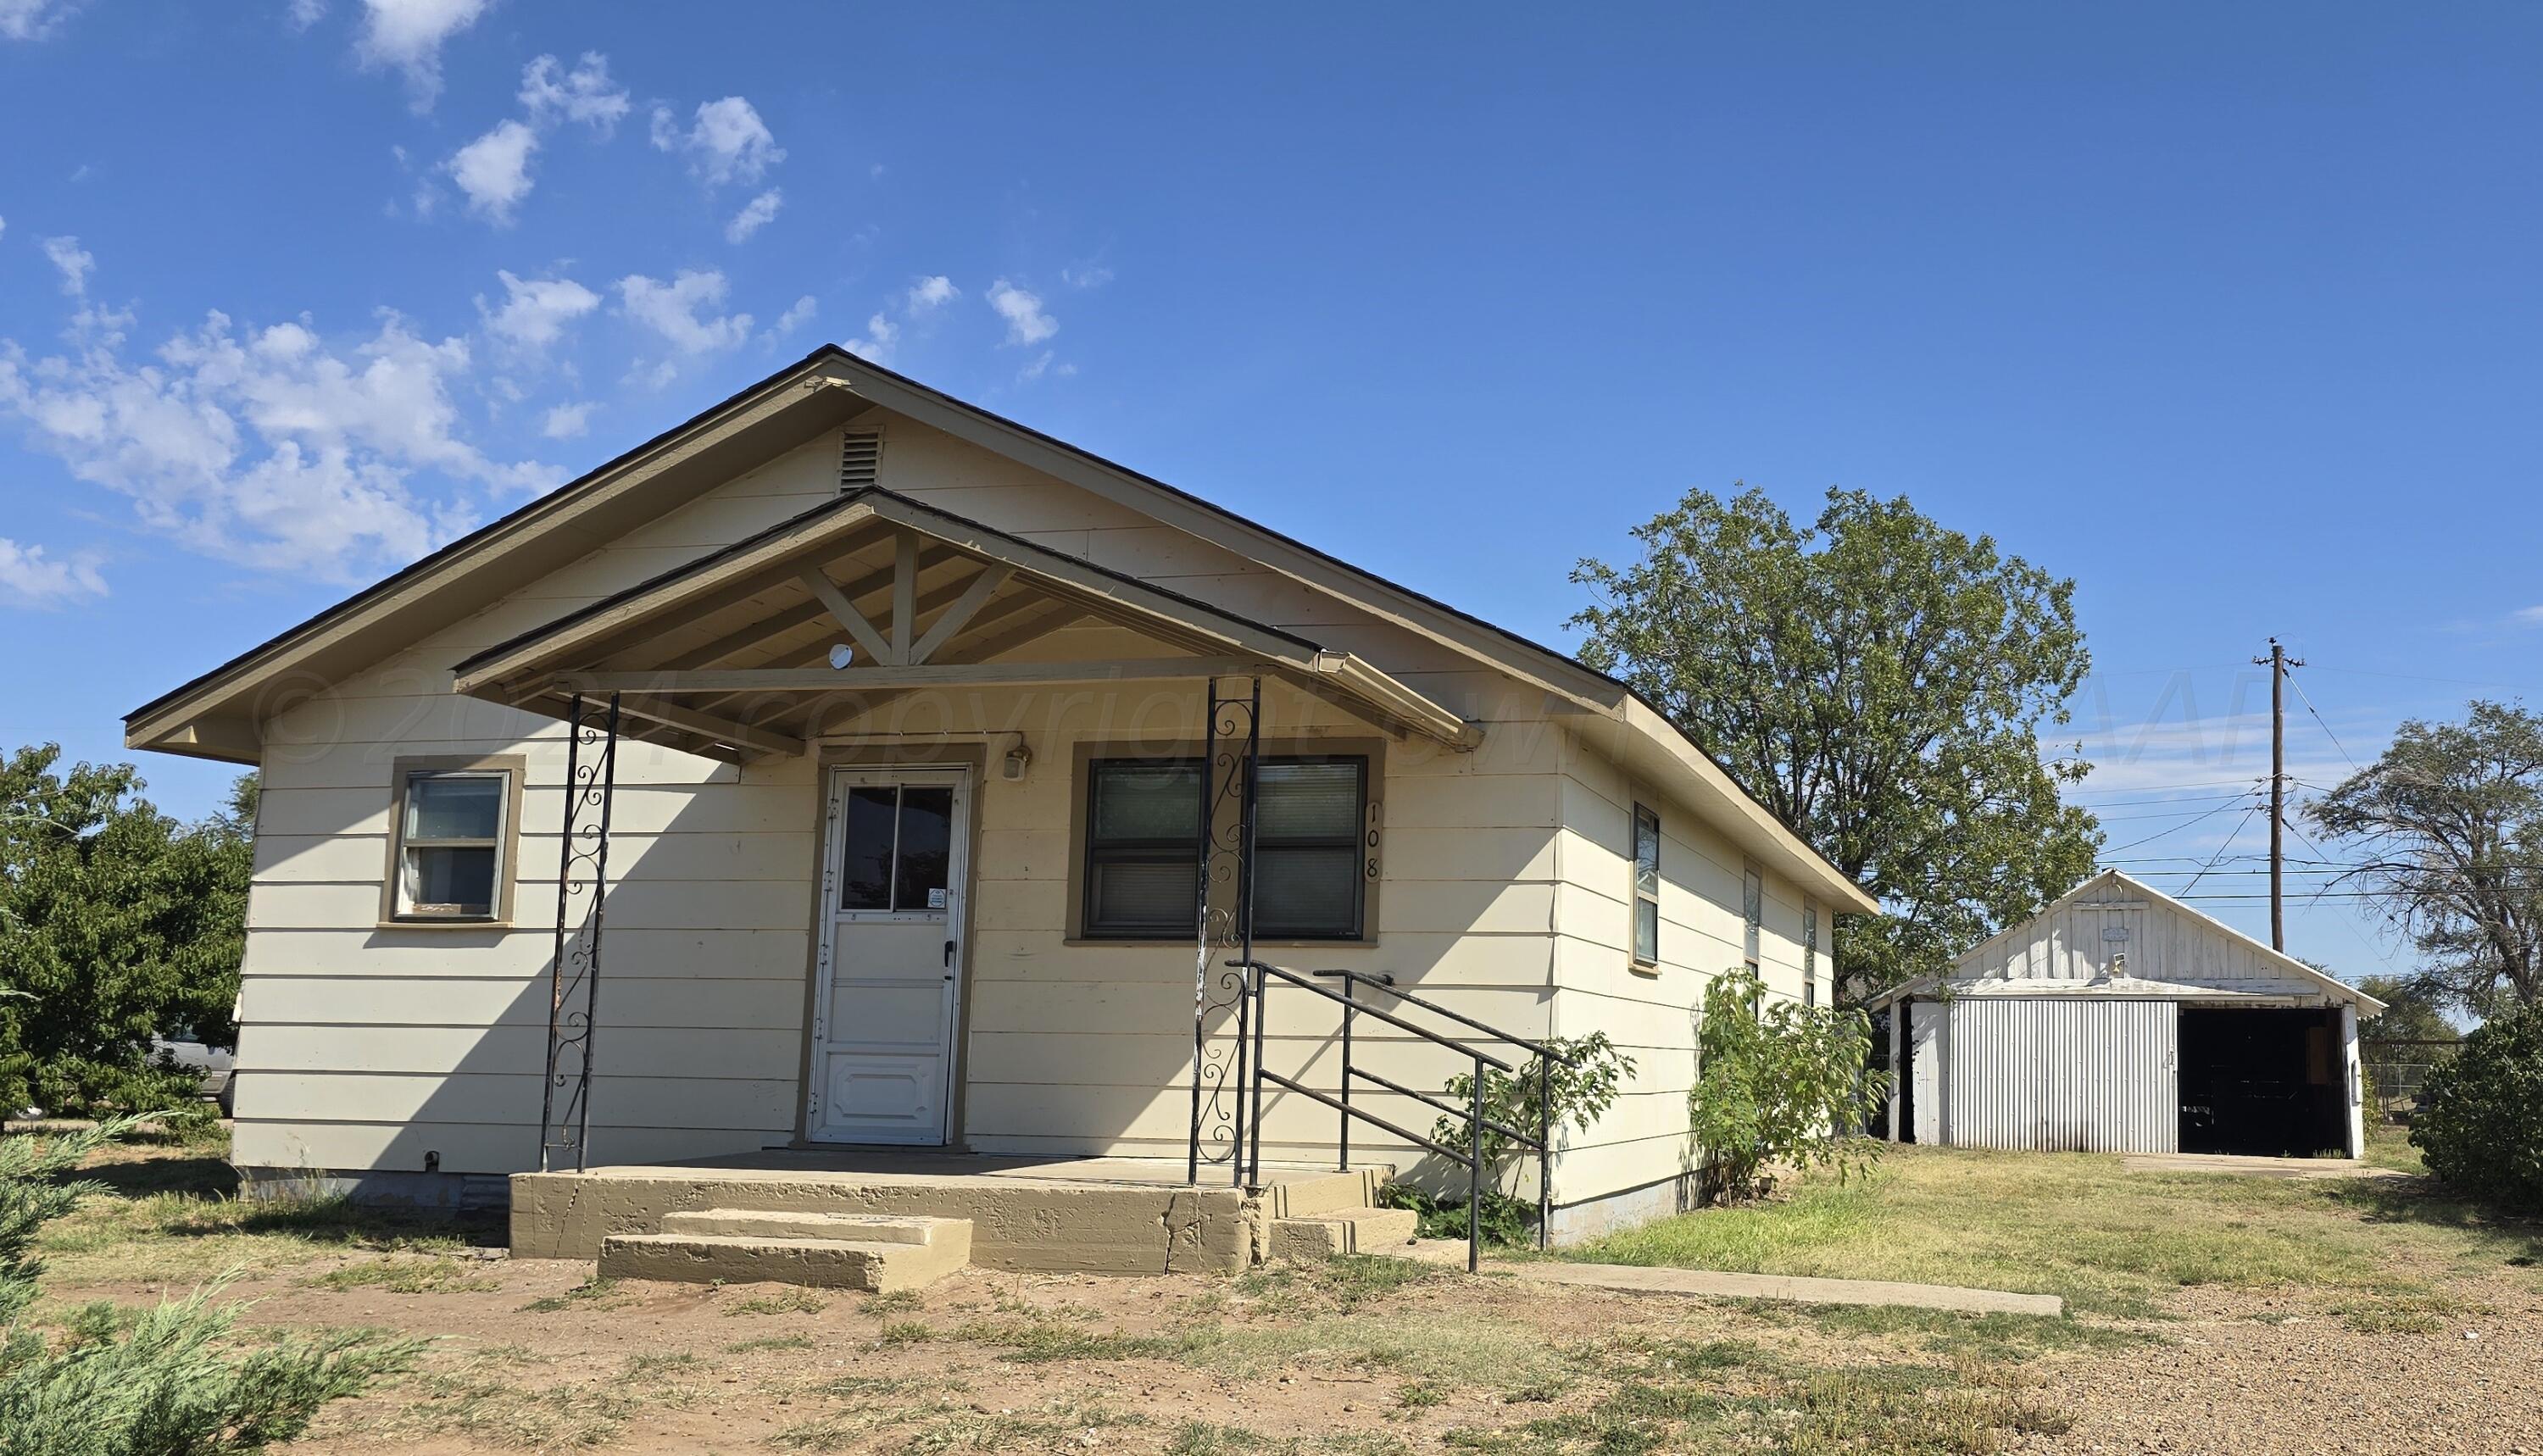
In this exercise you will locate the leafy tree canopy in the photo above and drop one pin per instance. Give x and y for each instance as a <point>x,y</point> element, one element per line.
<point>2414,1010</point>
<point>118,923</point>
<point>2449,824</point>
<point>1879,682</point>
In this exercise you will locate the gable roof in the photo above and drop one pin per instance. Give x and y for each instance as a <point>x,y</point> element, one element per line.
<point>2331,986</point>
<point>215,714</point>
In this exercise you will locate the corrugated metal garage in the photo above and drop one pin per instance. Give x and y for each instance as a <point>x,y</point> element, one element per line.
<point>2118,1019</point>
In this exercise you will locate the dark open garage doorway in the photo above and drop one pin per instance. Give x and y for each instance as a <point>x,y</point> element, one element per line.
<point>2262,1081</point>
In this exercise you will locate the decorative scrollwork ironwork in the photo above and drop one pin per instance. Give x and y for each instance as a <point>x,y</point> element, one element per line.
<point>582,892</point>
<point>1223,928</point>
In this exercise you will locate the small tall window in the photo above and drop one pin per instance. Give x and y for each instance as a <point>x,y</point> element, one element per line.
<point>1809,954</point>
<point>1646,887</point>
<point>1752,912</point>
<point>1143,818</point>
<point>453,838</point>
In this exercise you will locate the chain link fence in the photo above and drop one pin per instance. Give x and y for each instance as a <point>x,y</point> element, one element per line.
<point>2396,1069</point>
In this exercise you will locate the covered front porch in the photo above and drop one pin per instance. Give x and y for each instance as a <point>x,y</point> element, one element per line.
<point>1056,806</point>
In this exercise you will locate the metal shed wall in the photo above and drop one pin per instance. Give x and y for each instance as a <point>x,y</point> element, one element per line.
<point>2047,1074</point>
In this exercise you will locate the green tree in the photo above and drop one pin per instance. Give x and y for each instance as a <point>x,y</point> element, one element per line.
<point>118,923</point>
<point>1880,683</point>
<point>2448,822</point>
<point>2414,1010</point>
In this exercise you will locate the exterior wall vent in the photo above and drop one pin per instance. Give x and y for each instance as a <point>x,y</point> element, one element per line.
<point>860,459</point>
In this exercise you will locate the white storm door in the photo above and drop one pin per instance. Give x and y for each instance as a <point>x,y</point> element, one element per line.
<point>891,953</point>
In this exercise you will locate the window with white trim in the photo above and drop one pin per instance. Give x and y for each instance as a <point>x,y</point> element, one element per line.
<point>1646,887</point>
<point>453,844</point>
<point>1809,953</point>
<point>1752,912</point>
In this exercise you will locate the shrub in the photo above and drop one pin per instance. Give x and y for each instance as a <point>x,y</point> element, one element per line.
<point>1582,1085</point>
<point>168,1382</point>
<point>2480,1118</point>
<point>1778,1085</point>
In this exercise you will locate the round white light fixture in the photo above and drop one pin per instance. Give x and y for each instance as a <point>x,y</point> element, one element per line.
<point>841,654</point>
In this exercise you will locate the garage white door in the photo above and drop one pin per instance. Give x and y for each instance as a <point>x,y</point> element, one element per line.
<point>2049,1075</point>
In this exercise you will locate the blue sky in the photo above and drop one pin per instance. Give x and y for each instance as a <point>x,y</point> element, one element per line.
<point>2230,313</point>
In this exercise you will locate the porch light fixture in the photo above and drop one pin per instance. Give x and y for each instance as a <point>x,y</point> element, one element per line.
<point>1018,759</point>
<point>841,654</point>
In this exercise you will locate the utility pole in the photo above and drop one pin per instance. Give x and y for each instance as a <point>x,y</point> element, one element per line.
<point>2278,662</point>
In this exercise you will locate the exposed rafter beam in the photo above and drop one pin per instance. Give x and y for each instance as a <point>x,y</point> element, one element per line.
<point>755,740</point>
<point>788,618</point>
<point>868,703</point>
<point>973,597</point>
<point>829,595</point>
<point>904,597</point>
<point>974,674</point>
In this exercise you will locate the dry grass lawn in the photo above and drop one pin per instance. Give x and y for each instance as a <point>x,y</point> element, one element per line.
<point>2212,1314</point>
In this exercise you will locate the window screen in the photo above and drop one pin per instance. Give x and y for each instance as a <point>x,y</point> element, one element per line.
<point>1647,885</point>
<point>1143,848</point>
<point>1308,819</point>
<point>1752,912</point>
<point>450,844</point>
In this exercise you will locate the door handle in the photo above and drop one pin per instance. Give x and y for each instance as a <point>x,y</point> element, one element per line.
<point>949,960</point>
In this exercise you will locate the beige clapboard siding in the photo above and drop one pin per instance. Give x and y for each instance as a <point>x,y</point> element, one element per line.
<point>649,1100</point>
<point>352,858</point>
<point>517,954</point>
<point>714,1052</point>
<point>311,1144</point>
<point>462,1001</point>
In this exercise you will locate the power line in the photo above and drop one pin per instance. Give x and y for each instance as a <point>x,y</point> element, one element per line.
<point>2326,725</point>
<point>2177,828</point>
<point>2220,854</point>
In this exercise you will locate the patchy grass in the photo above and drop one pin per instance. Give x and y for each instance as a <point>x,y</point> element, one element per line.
<point>170,1213</point>
<point>898,1301</point>
<point>476,1396</point>
<point>785,1299</point>
<point>2073,1224</point>
<point>594,1292</point>
<point>767,1342</point>
<point>407,1276</point>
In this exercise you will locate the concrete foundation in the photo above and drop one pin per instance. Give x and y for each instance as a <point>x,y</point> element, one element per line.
<point>1091,1215</point>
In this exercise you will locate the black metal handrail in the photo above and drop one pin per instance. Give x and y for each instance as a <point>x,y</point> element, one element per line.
<point>1258,976</point>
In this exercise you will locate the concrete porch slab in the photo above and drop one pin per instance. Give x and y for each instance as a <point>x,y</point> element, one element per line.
<point>1080,1216</point>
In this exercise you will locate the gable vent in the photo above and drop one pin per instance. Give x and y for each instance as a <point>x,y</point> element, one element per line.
<point>860,458</point>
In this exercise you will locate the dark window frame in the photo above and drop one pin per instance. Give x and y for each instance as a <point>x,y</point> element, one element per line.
<point>1092,850</point>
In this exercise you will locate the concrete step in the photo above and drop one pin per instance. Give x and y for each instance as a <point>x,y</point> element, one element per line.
<point>864,1228</point>
<point>1343,1231</point>
<point>1329,1192</point>
<point>762,1251</point>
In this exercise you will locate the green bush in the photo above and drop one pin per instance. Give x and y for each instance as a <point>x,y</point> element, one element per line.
<point>1779,1085</point>
<point>171,1381</point>
<point>2480,1118</point>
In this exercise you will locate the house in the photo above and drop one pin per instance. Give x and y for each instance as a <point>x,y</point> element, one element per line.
<point>849,768</point>
<point>2121,1019</point>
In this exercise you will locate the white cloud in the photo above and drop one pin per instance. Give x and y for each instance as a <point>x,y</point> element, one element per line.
<point>757,214</point>
<point>494,170</point>
<point>34,20</point>
<point>566,421</point>
<point>583,94</point>
<point>930,293</point>
<point>795,317</point>
<point>673,310</point>
<point>1086,275</point>
<point>727,143</point>
<point>307,13</point>
<point>74,263</point>
<point>876,345</point>
<point>1028,323</point>
<point>409,34</point>
<point>535,311</point>
<point>2527,616</point>
<point>267,446</point>
<point>30,578</point>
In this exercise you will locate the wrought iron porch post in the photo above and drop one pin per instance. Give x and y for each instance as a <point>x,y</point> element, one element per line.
<point>573,975</point>
<point>1232,737</point>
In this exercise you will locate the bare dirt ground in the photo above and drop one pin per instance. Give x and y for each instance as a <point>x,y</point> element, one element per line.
<point>531,1355</point>
<point>2288,1318</point>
